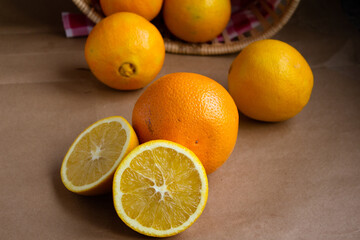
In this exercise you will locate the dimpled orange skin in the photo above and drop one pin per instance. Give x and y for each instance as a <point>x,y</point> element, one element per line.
<point>270,81</point>
<point>149,9</point>
<point>196,21</point>
<point>125,51</point>
<point>192,110</point>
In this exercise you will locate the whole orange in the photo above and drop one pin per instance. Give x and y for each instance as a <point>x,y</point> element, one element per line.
<point>192,110</point>
<point>125,51</point>
<point>149,9</point>
<point>196,21</point>
<point>270,81</point>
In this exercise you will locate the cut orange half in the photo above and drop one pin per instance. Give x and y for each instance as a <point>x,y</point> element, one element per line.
<point>160,188</point>
<point>89,165</point>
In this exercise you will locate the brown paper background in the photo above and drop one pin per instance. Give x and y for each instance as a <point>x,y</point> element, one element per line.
<point>298,179</point>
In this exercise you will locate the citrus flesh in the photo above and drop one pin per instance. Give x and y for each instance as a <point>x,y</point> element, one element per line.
<point>160,188</point>
<point>92,159</point>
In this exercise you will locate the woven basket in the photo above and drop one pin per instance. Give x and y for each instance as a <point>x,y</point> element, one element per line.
<point>268,26</point>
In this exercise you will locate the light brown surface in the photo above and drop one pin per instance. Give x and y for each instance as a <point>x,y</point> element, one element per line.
<point>299,179</point>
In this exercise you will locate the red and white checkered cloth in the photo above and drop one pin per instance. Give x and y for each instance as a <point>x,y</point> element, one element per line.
<point>76,24</point>
<point>242,20</point>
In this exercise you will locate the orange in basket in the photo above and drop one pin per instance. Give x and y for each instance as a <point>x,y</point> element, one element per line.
<point>149,9</point>
<point>196,21</point>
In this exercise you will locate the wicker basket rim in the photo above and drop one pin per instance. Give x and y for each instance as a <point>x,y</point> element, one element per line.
<point>205,48</point>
